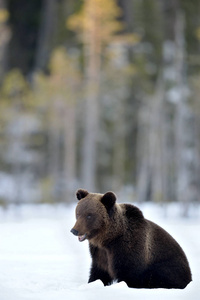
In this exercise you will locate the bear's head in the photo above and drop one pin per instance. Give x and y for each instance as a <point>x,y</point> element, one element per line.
<point>92,214</point>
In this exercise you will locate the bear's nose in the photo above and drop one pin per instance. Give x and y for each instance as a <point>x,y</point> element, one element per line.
<point>74,231</point>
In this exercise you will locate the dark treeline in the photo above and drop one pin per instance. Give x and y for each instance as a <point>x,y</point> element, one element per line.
<point>100,94</point>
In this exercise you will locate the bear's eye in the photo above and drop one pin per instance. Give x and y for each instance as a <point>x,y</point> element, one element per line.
<point>89,217</point>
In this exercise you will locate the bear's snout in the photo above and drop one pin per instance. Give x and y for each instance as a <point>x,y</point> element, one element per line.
<point>74,231</point>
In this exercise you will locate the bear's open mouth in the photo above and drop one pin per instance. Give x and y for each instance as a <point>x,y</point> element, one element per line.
<point>81,238</point>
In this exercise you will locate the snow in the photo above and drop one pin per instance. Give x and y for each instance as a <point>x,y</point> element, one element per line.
<point>40,259</point>
<point>11,186</point>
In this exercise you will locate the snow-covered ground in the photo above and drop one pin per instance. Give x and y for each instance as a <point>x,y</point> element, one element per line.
<point>41,260</point>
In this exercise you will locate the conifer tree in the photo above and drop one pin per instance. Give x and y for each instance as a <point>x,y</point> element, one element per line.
<point>96,25</point>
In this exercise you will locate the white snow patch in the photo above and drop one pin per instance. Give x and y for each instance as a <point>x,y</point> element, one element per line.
<point>40,259</point>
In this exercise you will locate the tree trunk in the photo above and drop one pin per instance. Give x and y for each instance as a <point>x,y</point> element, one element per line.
<point>54,151</point>
<point>119,147</point>
<point>46,34</point>
<point>157,144</point>
<point>151,175</point>
<point>185,152</point>
<point>143,177</point>
<point>69,151</point>
<point>92,63</point>
<point>90,135</point>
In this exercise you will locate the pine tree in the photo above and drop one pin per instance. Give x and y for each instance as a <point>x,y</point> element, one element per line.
<point>96,25</point>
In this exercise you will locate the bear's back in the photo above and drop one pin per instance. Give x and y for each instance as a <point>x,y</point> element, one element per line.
<point>157,244</point>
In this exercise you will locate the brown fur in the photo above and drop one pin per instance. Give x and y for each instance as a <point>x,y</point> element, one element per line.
<point>126,247</point>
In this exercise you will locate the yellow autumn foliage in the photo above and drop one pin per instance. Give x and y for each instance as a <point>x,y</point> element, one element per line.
<point>99,17</point>
<point>4,15</point>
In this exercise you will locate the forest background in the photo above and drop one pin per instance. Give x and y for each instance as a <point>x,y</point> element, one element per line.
<point>100,94</point>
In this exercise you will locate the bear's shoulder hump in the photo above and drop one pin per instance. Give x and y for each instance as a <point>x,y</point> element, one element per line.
<point>133,212</point>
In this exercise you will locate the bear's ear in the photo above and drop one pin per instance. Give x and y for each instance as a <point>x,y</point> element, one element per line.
<point>108,200</point>
<point>80,194</point>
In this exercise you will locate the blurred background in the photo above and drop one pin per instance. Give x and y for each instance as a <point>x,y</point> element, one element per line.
<point>102,95</point>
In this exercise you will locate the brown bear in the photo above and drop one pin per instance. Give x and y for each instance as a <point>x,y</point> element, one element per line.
<point>125,246</point>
